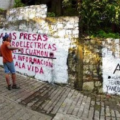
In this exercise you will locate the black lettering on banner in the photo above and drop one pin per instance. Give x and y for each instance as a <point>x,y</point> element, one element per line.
<point>117,68</point>
<point>113,88</point>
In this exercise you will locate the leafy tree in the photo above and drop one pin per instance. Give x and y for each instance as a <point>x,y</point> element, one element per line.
<point>99,14</point>
<point>95,15</point>
<point>18,3</point>
<point>69,7</point>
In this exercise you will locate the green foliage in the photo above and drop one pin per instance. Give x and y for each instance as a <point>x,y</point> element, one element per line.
<point>18,3</point>
<point>51,14</point>
<point>69,9</point>
<point>1,10</point>
<point>98,14</point>
<point>103,34</point>
<point>70,12</point>
<point>94,15</point>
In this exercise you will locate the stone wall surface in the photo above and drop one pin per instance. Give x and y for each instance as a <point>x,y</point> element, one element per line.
<point>2,18</point>
<point>100,55</point>
<point>34,19</point>
<point>31,19</point>
<point>92,56</point>
<point>6,4</point>
<point>111,46</point>
<point>26,13</point>
<point>92,63</point>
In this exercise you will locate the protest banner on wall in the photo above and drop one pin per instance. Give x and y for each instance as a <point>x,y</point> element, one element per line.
<point>42,56</point>
<point>111,67</point>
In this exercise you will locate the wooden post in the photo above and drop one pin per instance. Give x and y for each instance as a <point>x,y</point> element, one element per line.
<point>80,54</point>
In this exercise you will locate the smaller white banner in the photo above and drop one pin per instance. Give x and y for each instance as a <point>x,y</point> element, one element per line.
<point>111,69</point>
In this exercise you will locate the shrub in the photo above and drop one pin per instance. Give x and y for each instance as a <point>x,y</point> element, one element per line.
<point>18,3</point>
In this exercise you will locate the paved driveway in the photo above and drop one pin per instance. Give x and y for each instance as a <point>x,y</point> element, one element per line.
<point>41,101</point>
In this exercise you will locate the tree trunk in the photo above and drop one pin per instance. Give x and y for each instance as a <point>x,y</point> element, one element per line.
<point>80,54</point>
<point>57,7</point>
